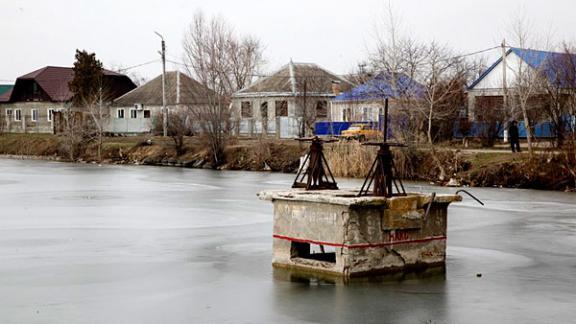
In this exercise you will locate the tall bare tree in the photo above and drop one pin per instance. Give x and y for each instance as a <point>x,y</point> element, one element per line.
<point>527,82</point>
<point>97,106</point>
<point>224,63</point>
<point>444,77</point>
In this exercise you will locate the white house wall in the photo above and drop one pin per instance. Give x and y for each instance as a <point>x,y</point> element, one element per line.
<point>254,125</point>
<point>494,79</point>
<point>365,110</point>
<point>128,125</point>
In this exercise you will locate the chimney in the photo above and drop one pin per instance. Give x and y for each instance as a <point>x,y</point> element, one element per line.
<point>336,87</point>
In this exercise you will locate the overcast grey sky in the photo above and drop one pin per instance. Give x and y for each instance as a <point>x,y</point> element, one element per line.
<point>335,34</point>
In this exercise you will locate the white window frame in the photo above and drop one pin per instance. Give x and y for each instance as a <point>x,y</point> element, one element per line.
<point>118,113</point>
<point>9,113</point>
<point>50,115</point>
<point>135,111</point>
<point>18,114</point>
<point>149,114</point>
<point>34,114</point>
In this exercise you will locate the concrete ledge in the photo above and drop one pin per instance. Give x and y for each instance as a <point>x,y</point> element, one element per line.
<point>348,197</point>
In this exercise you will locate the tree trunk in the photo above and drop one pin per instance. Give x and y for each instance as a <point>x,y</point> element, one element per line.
<point>528,129</point>
<point>100,140</point>
<point>442,175</point>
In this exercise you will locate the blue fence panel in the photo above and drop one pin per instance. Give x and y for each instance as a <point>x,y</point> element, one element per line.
<point>330,128</point>
<point>541,130</point>
<point>336,128</point>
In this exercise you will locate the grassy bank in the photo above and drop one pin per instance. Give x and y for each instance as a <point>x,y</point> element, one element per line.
<point>347,159</point>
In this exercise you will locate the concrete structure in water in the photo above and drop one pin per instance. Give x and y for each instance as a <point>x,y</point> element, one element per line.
<point>336,232</point>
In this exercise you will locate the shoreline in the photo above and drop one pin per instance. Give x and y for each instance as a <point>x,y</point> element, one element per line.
<point>462,167</point>
<point>193,164</point>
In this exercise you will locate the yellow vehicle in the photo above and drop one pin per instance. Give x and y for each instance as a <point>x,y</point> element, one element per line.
<point>360,132</point>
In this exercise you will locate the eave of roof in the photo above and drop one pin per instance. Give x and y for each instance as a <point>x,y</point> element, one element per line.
<point>485,73</point>
<point>281,94</point>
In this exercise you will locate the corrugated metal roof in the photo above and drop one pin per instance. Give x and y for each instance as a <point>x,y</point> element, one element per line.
<point>291,79</point>
<point>384,85</point>
<point>54,81</point>
<point>550,63</point>
<point>191,92</point>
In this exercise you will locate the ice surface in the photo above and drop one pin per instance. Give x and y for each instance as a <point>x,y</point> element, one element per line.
<point>115,244</point>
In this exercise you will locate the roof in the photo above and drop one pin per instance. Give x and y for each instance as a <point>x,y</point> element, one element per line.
<point>5,92</point>
<point>180,89</point>
<point>54,81</point>
<point>550,63</point>
<point>295,78</point>
<point>384,85</point>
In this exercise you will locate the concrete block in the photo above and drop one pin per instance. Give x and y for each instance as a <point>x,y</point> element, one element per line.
<point>338,233</point>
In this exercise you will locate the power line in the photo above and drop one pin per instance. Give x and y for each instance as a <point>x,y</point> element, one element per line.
<point>344,75</point>
<point>138,65</point>
<point>478,52</point>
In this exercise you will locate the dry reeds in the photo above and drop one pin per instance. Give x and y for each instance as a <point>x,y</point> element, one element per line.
<point>350,159</point>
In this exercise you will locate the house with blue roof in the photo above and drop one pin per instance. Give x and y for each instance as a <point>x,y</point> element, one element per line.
<point>487,92</point>
<point>366,102</point>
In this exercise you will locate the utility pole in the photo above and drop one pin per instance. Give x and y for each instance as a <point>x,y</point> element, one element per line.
<point>504,83</point>
<point>164,110</point>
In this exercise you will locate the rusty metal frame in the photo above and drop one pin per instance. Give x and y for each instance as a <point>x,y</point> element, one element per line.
<point>381,176</point>
<point>318,174</point>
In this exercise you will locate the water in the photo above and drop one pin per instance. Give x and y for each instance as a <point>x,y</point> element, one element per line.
<point>113,244</point>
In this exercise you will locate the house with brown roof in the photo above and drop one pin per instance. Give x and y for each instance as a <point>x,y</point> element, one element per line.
<point>140,110</point>
<point>36,96</point>
<point>287,103</point>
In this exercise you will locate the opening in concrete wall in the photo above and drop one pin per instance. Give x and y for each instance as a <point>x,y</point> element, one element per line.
<point>313,252</point>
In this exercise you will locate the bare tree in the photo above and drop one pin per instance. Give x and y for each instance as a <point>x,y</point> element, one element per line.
<point>444,78</point>
<point>558,76</point>
<point>135,76</point>
<point>397,54</point>
<point>73,131</point>
<point>527,82</point>
<point>311,107</point>
<point>97,106</point>
<point>178,128</point>
<point>223,62</point>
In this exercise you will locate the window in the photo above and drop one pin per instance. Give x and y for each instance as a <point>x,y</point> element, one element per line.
<point>35,90</point>
<point>264,110</point>
<point>17,115</point>
<point>313,252</point>
<point>50,114</point>
<point>34,113</point>
<point>120,113</point>
<point>347,114</point>
<point>281,108</point>
<point>133,113</point>
<point>365,116</point>
<point>9,113</point>
<point>322,109</point>
<point>246,109</point>
<point>146,113</point>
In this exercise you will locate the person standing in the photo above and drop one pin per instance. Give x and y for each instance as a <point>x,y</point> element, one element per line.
<point>514,136</point>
